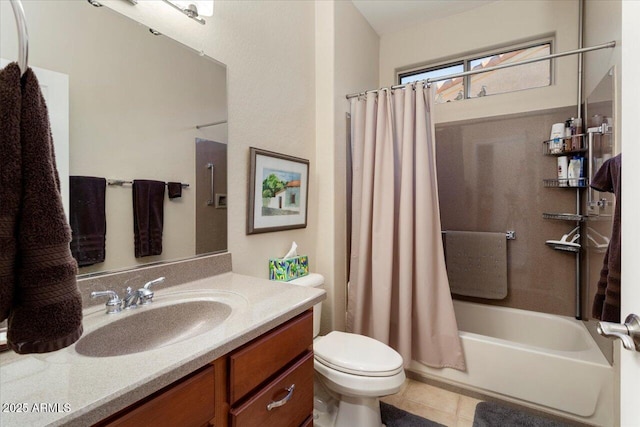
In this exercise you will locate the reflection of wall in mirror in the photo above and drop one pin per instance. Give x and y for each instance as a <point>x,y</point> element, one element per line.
<point>211,189</point>
<point>134,100</point>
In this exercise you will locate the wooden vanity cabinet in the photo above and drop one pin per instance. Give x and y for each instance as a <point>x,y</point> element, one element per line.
<point>187,402</point>
<point>236,389</point>
<point>277,367</point>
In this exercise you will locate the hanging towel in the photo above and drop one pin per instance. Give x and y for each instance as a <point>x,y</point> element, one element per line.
<point>606,304</point>
<point>148,217</point>
<point>477,263</point>
<point>47,310</point>
<point>174,189</point>
<point>10,181</point>
<point>87,219</point>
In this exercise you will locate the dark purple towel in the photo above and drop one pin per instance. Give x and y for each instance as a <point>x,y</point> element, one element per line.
<point>87,219</point>
<point>606,304</point>
<point>47,310</point>
<point>174,189</point>
<point>148,217</point>
<point>10,181</point>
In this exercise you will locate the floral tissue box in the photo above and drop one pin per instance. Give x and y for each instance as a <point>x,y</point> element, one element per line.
<point>284,270</point>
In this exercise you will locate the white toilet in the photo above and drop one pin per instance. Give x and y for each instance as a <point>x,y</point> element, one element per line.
<point>356,369</point>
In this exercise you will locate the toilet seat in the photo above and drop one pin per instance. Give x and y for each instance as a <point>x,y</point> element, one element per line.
<point>357,355</point>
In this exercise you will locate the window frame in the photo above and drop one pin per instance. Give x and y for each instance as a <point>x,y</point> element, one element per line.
<point>466,60</point>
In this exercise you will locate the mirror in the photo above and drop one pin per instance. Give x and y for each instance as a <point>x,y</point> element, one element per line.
<point>131,109</point>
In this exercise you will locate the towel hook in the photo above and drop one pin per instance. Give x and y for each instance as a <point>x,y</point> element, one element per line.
<point>23,35</point>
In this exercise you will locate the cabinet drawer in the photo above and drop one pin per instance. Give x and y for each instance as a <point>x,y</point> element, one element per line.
<point>293,413</point>
<point>255,363</point>
<point>188,403</point>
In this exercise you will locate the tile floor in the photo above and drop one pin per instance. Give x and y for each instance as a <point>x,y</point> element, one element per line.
<point>439,405</point>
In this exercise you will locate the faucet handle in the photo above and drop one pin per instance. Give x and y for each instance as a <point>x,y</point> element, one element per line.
<point>113,304</point>
<point>145,294</point>
<point>153,282</point>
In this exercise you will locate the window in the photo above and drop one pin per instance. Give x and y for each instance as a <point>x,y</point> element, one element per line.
<point>447,90</point>
<point>511,79</point>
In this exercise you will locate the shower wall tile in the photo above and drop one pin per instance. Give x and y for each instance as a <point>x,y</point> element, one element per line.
<point>490,176</point>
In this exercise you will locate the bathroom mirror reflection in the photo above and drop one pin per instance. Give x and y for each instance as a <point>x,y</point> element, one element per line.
<point>124,104</point>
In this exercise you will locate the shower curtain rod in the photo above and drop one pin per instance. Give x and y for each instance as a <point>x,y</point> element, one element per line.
<point>611,44</point>
<point>23,35</point>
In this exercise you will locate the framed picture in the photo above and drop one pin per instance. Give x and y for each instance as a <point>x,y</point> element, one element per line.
<point>278,190</point>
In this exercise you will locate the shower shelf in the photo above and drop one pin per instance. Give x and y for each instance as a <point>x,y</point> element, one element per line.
<point>564,216</point>
<point>565,183</point>
<point>564,248</point>
<point>547,149</point>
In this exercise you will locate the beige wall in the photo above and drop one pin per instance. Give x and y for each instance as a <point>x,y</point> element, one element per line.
<point>346,61</point>
<point>268,48</point>
<point>289,66</point>
<point>494,25</point>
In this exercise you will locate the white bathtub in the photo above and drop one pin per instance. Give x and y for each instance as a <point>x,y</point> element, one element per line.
<point>538,360</point>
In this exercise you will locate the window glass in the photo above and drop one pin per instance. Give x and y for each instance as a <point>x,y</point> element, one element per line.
<point>536,74</point>
<point>446,90</point>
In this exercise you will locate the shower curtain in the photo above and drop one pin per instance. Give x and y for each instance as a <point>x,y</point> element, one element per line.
<point>399,291</point>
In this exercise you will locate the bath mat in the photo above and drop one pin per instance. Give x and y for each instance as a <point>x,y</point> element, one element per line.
<point>490,414</point>
<point>395,417</point>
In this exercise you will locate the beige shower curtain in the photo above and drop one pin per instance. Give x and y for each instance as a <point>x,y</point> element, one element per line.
<point>399,291</point>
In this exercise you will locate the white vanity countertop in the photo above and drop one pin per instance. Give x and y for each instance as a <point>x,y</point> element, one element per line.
<point>65,387</point>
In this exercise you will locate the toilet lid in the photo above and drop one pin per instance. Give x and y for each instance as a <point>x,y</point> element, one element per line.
<point>357,354</point>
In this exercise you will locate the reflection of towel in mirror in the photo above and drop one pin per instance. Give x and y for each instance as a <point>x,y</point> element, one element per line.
<point>174,189</point>
<point>10,181</point>
<point>148,217</point>
<point>87,219</point>
<point>47,310</point>
<point>606,304</point>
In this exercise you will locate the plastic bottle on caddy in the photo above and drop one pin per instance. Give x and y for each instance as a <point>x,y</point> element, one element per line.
<point>563,170</point>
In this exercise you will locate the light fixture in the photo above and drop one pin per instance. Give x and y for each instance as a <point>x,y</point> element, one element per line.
<point>194,9</point>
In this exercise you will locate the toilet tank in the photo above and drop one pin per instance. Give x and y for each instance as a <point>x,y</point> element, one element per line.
<point>313,280</point>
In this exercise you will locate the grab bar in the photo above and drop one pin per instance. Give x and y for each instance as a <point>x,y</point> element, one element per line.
<point>211,201</point>
<point>23,35</point>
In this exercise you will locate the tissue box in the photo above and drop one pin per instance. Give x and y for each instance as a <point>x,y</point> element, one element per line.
<point>288,269</point>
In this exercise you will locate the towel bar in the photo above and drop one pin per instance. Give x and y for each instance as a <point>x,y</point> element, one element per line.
<point>510,234</point>
<point>121,182</point>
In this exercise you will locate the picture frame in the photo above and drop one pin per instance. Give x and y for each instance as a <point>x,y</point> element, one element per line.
<point>278,192</point>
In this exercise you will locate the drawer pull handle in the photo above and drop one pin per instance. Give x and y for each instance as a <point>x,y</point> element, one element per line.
<point>279,403</point>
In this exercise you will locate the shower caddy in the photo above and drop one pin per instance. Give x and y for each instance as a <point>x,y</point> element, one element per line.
<point>580,146</point>
<point>585,146</point>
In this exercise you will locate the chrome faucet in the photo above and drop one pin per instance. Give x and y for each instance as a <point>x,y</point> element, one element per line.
<point>132,299</point>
